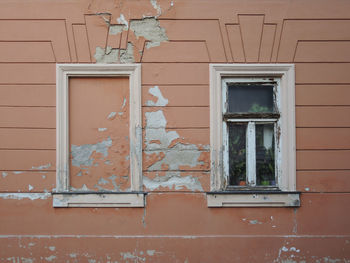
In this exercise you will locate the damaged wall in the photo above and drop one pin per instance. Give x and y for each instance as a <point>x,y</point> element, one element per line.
<point>174,40</point>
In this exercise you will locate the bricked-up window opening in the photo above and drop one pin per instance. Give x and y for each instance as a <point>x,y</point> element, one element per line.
<point>99,136</point>
<point>250,117</point>
<point>252,135</point>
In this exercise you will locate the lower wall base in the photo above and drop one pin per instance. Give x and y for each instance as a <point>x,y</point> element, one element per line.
<point>187,249</point>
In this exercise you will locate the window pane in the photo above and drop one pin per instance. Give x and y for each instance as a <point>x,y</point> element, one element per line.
<point>237,153</point>
<point>265,154</point>
<point>247,97</point>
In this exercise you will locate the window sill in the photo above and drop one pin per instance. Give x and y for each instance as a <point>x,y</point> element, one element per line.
<point>253,199</point>
<point>89,199</point>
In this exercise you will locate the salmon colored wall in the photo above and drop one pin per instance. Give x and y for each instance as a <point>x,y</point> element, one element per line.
<point>174,40</point>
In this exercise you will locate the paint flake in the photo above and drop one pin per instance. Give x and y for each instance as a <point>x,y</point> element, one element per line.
<point>81,155</point>
<point>161,101</point>
<point>41,167</point>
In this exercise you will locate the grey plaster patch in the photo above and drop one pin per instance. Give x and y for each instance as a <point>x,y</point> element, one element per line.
<point>116,29</point>
<point>20,196</point>
<point>81,155</point>
<point>150,29</point>
<point>178,156</point>
<point>173,180</point>
<point>17,172</point>
<point>127,55</point>
<point>150,252</point>
<point>161,101</point>
<point>80,174</point>
<point>111,115</point>
<point>102,129</point>
<point>30,187</point>
<point>108,55</point>
<point>4,174</point>
<point>41,167</point>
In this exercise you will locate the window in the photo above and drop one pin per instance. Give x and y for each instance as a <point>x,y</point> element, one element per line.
<point>93,90</point>
<point>252,135</point>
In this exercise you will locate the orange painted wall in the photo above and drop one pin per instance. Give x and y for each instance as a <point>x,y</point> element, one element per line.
<point>184,37</point>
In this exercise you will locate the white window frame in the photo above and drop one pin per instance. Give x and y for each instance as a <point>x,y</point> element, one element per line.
<point>286,194</point>
<point>62,196</point>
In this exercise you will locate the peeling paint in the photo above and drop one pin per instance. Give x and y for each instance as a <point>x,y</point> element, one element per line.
<point>50,258</point>
<point>156,6</point>
<point>111,115</point>
<point>17,172</point>
<point>4,174</point>
<point>121,20</point>
<point>150,252</point>
<point>161,101</point>
<point>103,181</point>
<point>173,180</point>
<point>41,167</point>
<point>52,248</point>
<point>81,155</point>
<point>254,222</point>
<point>150,29</point>
<point>20,196</point>
<point>30,187</point>
<point>102,129</point>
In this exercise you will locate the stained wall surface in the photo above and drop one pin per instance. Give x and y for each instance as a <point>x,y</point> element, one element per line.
<point>174,40</point>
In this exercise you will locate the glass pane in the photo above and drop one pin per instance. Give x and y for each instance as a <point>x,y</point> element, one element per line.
<point>265,154</point>
<point>247,97</point>
<point>237,153</point>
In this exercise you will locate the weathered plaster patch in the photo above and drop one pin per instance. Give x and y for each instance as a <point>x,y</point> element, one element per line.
<point>108,55</point>
<point>116,29</point>
<point>17,172</point>
<point>20,196</point>
<point>179,155</point>
<point>102,129</point>
<point>150,29</point>
<point>155,131</point>
<point>127,55</point>
<point>173,180</point>
<point>103,181</point>
<point>150,252</point>
<point>4,174</point>
<point>82,189</point>
<point>81,155</point>
<point>161,101</point>
<point>30,187</point>
<point>41,167</point>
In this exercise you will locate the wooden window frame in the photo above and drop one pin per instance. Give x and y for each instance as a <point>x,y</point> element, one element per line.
<point>63,196</point>
<point>286,194</point>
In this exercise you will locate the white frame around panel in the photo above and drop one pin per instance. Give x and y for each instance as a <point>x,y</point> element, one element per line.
<point>286,105</point>
<point>63,72</point>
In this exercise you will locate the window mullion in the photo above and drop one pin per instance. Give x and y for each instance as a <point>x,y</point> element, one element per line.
<point>251,154</point>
